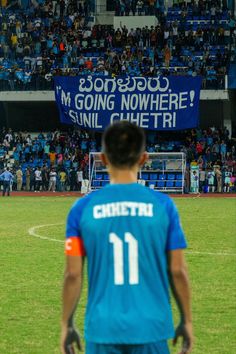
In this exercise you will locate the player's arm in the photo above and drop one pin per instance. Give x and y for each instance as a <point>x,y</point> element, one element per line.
<point>70,296</point>
<point>73,278</point>
<point>179,283</point>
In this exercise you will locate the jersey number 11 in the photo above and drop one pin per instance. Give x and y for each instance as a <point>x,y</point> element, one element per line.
<point>118,251</point>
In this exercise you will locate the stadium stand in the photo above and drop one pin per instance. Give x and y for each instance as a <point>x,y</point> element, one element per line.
<point>67,152</point>
<point>41,39</point>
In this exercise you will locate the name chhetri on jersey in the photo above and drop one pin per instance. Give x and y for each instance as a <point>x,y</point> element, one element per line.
<point>125,208</point>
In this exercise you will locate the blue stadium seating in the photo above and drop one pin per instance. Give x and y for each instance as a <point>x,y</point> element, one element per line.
<point>160,184</point>
<point>169,184</point>
<point>99,176</point>
<point>104,183</point>
<point>171,176</point>
<point>145,176</point>
<point>96,183</point>
<point>179,176</point>
<point>162,177</point>
<point>153,176</point>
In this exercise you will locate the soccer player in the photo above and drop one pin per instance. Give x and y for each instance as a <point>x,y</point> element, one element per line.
<point>133,241</point>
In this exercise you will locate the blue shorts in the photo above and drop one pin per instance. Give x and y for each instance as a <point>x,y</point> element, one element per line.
<point>151,348</point>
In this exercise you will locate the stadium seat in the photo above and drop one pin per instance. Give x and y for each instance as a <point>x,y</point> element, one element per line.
<point>145,176</point>
<point>160,184</point>
<point>178,184</point>
<point>99,176</point>
<point>179,176</point>
<point>96,183</point>
<point>162,177</point>
<point>104,183</point>
<point>169,184</point>
<point>153,176</point>
<point>171,176</point>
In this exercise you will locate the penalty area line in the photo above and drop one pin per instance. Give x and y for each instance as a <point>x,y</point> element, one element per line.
<point>32,232</point>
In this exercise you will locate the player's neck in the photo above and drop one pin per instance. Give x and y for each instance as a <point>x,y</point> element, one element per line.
<point>125,176</point>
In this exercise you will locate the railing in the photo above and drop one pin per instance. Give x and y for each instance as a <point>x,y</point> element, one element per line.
<point>45,83</point>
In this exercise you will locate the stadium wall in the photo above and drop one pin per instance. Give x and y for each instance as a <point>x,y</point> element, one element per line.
<point>31,116</point>
<point>3,122</point>
<point>232,95</point>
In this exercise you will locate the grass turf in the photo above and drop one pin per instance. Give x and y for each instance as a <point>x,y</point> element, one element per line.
<point>31,271</point>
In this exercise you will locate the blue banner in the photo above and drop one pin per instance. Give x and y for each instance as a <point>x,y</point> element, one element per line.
<point>160,103</point>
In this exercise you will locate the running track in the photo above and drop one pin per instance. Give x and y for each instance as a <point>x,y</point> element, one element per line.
<point>77,194</point>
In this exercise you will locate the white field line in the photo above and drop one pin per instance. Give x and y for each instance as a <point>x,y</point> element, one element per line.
<point>211,253</point>
<point>32,232</point>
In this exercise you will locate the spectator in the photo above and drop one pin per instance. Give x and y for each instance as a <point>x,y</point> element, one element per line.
<point>32,180</point>
<point>38,179</point>
<point>223,150</point>
<point>167,56</point>
<point>7,178</point>
<point>19,179</point>
<point>195,183</point>
<point>139,7</point>
<point>227,176</point>
<point>52,157</point>
<point>79,179</point>
<point>72,179</point>
<point>62,177</point>
<point>211,181</point>
<point>45,178</point>
<point>202,179</point>
<point>218,179</point>
<point>27,183</point>
<point>52,180</point>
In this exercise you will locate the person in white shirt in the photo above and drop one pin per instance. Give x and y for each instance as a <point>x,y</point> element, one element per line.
<point>52,180</point>
<point>79,179</point>
<point>38,179</point>
<point>9,137</point>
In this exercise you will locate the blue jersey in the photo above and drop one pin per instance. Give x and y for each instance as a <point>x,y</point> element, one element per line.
<point>126,230</point>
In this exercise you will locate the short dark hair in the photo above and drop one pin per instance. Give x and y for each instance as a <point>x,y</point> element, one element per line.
<point>123,143</point>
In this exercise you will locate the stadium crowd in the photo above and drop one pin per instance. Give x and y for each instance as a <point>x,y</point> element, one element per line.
<point>48,38</point>
<point>60,160</point>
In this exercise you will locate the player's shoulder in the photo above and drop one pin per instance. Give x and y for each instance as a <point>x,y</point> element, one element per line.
<point>82,202</point>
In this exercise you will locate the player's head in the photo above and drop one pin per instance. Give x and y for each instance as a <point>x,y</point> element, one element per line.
<point>123,144</point>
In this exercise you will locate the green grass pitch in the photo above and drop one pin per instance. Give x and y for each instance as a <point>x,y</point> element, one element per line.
<point>31,271</point>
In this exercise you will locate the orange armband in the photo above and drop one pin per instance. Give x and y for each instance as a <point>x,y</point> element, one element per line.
<point>74,246</point>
